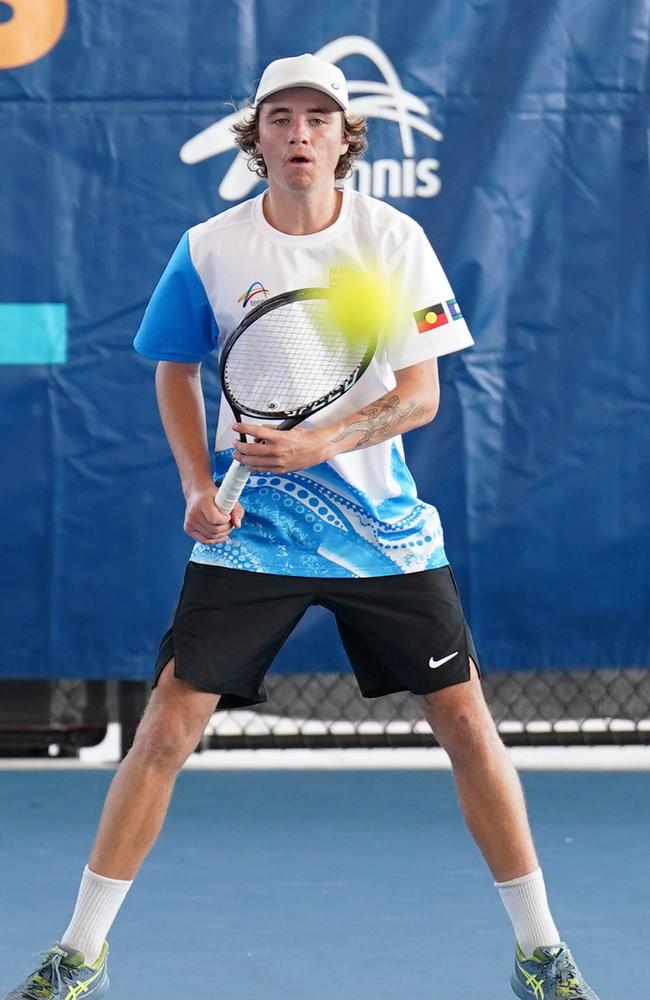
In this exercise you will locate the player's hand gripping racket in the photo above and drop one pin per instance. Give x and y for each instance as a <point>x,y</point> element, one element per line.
<point>287,359</point>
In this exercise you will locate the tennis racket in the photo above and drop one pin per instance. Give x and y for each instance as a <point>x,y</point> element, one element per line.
<point>285,361</point>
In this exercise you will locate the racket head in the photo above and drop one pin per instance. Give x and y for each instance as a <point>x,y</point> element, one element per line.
<point>286,360</point>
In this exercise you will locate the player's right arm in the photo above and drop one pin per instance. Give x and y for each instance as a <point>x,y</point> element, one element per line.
<point>182,411</point>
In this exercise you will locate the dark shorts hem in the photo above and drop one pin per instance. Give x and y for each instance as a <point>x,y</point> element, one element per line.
<point>228,700</point>
<point>461,675</point>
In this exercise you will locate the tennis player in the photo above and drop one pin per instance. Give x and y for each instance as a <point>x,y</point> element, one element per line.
<point>330,516</point>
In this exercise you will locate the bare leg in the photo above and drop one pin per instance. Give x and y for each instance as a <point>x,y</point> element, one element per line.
<point>489,790</point>
<point>138,799</point>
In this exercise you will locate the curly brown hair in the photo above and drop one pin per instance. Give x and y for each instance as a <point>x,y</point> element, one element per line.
<point>354,129</point>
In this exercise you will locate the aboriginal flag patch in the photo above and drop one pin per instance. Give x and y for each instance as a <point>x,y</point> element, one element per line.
<point>430,318</point>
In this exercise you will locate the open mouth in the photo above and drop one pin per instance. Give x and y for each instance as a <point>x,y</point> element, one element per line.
<point>299,159</point>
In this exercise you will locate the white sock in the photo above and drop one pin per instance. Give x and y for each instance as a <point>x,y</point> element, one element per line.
<point>98,903</point>
<point>527,906</point>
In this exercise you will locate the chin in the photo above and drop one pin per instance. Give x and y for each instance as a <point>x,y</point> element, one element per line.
<point>301,183</point>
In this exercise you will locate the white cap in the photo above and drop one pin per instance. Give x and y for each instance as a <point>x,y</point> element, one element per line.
<point>303,71</point>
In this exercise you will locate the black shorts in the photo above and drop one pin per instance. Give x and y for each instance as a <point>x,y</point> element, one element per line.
<point>401,633</point>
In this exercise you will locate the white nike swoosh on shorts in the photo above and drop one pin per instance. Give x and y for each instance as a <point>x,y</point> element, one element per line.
<point>438,663</point>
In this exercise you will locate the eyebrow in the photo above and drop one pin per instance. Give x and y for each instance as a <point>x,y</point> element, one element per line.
<point>309,111</point>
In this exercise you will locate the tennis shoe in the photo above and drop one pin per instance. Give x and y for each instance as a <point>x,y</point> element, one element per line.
<point>62,975</point>
<point>549,974</point>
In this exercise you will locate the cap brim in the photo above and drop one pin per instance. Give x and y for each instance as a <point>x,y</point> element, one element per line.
<point>300,83</point>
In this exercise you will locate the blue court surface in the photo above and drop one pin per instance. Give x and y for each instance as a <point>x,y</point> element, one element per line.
<point>298,885</point>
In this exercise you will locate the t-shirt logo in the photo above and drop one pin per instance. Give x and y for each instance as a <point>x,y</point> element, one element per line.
<point>430,318</point>
<point>257,288</point>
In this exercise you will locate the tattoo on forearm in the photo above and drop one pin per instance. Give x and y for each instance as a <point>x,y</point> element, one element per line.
<point>381,420</point>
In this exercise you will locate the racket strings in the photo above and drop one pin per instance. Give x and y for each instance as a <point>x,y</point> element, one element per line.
<point>290,357</point>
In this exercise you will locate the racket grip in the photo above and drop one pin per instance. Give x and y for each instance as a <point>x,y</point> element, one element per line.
<point>231,486</point>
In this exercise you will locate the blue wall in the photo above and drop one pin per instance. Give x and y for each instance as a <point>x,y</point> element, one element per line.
<point>523,151</point>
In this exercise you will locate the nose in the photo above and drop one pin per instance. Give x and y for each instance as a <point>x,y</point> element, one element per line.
<point>299,132</point>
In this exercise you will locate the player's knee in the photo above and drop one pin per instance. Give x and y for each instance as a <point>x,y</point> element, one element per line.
<point>165,740</point>
<point>464,729</point>
<point>174,721</point>
<point>459,733</point>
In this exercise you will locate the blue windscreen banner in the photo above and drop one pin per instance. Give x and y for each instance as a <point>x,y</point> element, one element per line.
<point>517,138</point>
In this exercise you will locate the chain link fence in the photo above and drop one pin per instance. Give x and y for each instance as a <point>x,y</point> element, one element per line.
<point>531,707</point>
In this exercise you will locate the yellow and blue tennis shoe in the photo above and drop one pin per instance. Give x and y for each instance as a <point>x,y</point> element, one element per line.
<point>63,975</point>
<point>549,974</point>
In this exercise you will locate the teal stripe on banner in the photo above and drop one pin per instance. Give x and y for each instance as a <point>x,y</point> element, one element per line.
<point>33,333</point>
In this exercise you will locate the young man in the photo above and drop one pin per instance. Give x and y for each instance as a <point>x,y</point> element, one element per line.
<point>329,516</point>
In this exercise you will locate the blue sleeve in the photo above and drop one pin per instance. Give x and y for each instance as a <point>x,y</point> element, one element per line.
<point>178,324</point>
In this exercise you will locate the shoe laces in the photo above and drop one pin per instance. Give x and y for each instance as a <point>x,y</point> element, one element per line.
<point>568,980</point>
<point>48,980</point>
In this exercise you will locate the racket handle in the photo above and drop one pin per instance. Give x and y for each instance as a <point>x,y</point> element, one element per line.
<point>231,486</point>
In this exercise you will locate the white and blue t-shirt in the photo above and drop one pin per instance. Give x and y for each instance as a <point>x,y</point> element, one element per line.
<point>358,514</point>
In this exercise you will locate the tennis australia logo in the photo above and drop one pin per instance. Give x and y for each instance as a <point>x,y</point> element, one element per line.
<point>251,296</point>
<point>407,177</point>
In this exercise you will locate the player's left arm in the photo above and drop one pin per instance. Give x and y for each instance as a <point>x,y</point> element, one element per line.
<point>412,403</point>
